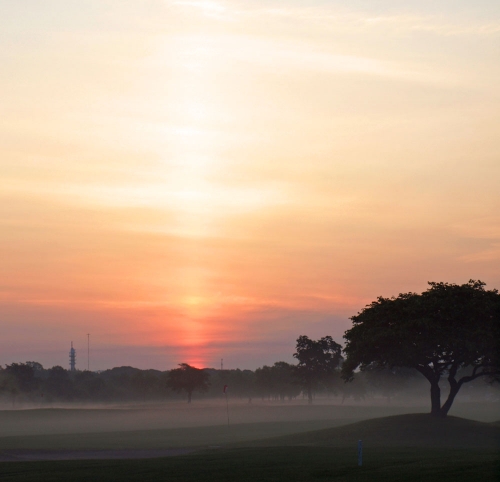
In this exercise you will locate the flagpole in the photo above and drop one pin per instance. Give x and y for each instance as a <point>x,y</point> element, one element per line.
<point>224,391</point>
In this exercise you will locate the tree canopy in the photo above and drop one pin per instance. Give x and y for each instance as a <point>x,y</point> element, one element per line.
<point>318,360</point>
<point>187,378</point>
<point>445,329</point>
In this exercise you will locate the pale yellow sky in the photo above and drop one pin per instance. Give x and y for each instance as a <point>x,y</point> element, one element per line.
<point>191,180</point>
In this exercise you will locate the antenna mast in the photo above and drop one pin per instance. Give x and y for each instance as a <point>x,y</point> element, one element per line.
<point>72,358</point>
<point>88,351</point>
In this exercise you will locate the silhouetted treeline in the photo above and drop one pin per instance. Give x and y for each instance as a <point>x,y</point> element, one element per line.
<point>31,383</point>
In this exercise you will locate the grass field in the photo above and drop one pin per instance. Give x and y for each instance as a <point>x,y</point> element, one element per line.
<point>173,415</point>
<point>410,447</point>
<point>288,464</point>
<point>59,420</point>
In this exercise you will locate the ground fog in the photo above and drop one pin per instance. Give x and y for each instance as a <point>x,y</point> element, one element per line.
<point>297,415</point>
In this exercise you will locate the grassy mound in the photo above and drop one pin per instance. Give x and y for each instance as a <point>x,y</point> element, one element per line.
<point>416,430</point>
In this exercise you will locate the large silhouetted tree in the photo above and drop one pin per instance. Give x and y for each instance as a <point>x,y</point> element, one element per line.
<point>188,379</point>
<point>439,332</point>
<point>318,360</point>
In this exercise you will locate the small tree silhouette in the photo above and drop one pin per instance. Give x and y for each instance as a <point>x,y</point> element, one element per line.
<point>188,379</point>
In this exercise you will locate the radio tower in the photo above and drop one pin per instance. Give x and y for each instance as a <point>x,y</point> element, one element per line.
<point>72,358</point>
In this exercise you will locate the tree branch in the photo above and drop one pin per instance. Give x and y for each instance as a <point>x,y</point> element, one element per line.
<point>477,375</point>
<point>451,375</point>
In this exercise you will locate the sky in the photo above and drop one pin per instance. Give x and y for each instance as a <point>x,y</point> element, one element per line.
<point>196,180</point>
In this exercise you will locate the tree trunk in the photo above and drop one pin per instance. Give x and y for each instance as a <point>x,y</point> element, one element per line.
<point>433,379</point>
<point>309,394</point>
<point>454,388</point>
<point>435,399</point>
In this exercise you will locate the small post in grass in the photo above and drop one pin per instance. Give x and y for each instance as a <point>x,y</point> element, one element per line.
<point>360,453</point>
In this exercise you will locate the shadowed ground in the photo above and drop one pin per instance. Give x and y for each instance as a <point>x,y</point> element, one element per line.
<point>290,464</point>
<point>408,447</point>
<point>413,430</point>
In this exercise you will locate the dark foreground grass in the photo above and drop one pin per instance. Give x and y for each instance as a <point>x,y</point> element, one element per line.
<point>400,448</point>
<point>287,464</point>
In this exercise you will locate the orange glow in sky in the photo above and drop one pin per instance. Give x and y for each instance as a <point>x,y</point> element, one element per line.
<point>196,180</point>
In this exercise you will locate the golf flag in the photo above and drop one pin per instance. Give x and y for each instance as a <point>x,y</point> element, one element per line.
<point>224,391</point>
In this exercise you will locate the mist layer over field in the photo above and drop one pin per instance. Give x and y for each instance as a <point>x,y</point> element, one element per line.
<point>287,417</point>
<point>263,441</point>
